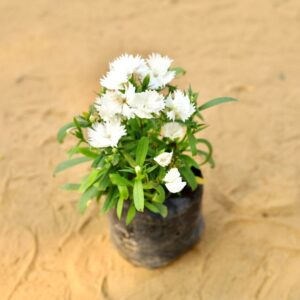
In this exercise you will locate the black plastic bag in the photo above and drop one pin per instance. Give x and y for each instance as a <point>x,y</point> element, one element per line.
<point>152,241</point>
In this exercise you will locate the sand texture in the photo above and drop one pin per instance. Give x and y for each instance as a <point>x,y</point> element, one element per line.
<point>52,54</point>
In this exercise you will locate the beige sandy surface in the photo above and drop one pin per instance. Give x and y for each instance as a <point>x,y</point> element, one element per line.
<point>52,54</point>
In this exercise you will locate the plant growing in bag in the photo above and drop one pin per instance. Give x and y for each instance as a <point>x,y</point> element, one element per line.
<point>141,137</point>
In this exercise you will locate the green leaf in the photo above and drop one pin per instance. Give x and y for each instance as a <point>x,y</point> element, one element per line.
<point>63,131</point>
<point>216,101</point>
<point>127,170</point>
<point>110,200</point>
<point>99,162</point>
<point>163,210</point>
<point>70,163</point>
<point>189,161</point>
<point>120,208</point>
<point>130,214</point>
<point>151,169</point>
<point>71,186</point>
<point>82,122</point>
<point>209,148</point>
<point>192,143</point>
<point>90,180</point>
<point>208,158</point>
<point>87,152</point>
<point>189,176</point>
<point>86,196</point>
<point>161,195</point>
<point>178,70</point>
<point>151,207</point>
<point>138,195</point>
<point>123,191</point>
<point>145,82</point>
<point>103,182</point>
<point>129,159</point>
<point>141,150</point>
<point>119,180</point>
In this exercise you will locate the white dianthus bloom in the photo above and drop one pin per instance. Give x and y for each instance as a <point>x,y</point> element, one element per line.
<point>173,130</point>
<point>114,80</point>
<point>121,69</point>
<point>174,181</point>
<point>164,158</point>
<point>179,106</point>
<point>145,104</point>
<point>159,70</point>
<point>105,134</point>
<point>114,103</point>
<point>129,63</point>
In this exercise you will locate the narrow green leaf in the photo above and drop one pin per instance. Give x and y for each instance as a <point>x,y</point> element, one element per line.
<point>138,195</point>
<point>216,101</point>
<point>151,169</point>
<point>129,159</point>
<point>160,197</point>
<point>110,200</point>
<point>63,131</point>
<point>178,70</point>
<point>85,197</point>
<point>209,148</point>
<point>189,161</point>
<point>103,182</point>
<point>130,214</point>
<point>142,150</point>
<point>192,143</point>
<point>82,122</point>
<point>189,176</point>
<point>123,191</point>
<point>120,208</point>
<point>70,163</point>
<point>119,180</point>
<point>90,180</point>
<point>86,151</point>
<point>99,162</point>
<point>71,186</point>
<point>127,170</point>
<point>145,82</point>
<point>151,207</point>
<point>163,210</point>
<point>207,158</point>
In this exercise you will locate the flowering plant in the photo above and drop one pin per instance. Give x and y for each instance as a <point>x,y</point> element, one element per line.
<point>140,135</point>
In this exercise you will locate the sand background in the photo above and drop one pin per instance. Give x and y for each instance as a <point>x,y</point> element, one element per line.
<point>52,54</point>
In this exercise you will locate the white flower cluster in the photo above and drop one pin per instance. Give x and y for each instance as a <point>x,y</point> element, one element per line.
<point>122,100</point>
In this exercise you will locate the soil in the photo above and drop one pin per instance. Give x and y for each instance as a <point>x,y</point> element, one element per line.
<point>52,54</point>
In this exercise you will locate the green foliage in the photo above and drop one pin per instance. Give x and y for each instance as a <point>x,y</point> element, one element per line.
<point>141,150</point>
<point>63,131</point>
<point>127,175</point>
<point>70,163</point>
<point>138,195</point>
<point>214,102</point>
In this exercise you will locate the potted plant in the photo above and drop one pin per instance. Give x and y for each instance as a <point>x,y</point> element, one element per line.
<point>141,139</point>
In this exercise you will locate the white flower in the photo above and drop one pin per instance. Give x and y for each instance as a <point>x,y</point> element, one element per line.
<point>179,106</point>
<point>159,70</point>
<point>164,158</point>
<point>129,63</point>
<point>121,69</point>
<point>173,130</point>
<point>114,103</point>
<point>174,181</point>
<point>105,134</point>
<point>145,104</point>
<point>114,80</point>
